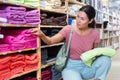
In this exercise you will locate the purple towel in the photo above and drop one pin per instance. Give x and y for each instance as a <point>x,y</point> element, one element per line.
<point>32,20</point>
<point>3,14</point>
<point>16,18</point>
<point>14,9</point>
<point>33,13</point>
<point>17,22</point>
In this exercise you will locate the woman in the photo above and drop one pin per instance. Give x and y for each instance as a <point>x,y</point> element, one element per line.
<point>85,37</point>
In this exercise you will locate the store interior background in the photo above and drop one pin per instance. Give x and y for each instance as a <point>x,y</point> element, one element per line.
<point>114,71</point>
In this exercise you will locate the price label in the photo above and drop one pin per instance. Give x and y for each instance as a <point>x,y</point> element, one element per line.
<point>1,36</point>
<point>18,25</point>
<point>33,48</point>
<point>19,51</point>
<point>4,53</point>
<point>4,24</point>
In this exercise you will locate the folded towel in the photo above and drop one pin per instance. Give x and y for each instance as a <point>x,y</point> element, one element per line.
<point>32,20</point>
<point>17,67</point>
<point>17,57</point>
<point>34,3</point>
<point>31,43</point>
<point>33,13</point>
<point>31,61</point>
<point>4,64</point>
<point>17,46</point>
<point>26,37</point>
<point>8,39</point>
<point>5,75</point>
<point>17,1</point>
<point>26,31</point>
<point>88,56</point>
<point>31,58</point>
<point>3,16</point>
<point>17,22</point>
<point>4,47</point>
<point>15,15</point>
<point>14,9</point>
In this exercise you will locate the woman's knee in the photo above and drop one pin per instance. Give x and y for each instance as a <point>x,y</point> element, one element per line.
<point>70,74</point>
<point>105,59</point>
<point>102,60</point>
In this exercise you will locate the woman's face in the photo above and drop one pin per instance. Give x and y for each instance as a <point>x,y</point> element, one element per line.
<point>82,20</point>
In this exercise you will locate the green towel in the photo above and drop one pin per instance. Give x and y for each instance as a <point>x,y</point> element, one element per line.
<point>88,56</point>
<point>17,1</point>
<point>34,3</point>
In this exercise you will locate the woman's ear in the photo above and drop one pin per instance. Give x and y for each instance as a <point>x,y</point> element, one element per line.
<point>91,21</point>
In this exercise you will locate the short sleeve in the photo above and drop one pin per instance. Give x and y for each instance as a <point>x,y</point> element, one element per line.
<point>65,30</point>
<point>97,38</point>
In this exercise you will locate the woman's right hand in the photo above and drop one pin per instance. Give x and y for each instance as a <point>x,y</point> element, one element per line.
<point>37,32</point>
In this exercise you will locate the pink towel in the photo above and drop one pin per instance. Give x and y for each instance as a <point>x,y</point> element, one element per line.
<point>31,43</point>
<point>9,39</point>
<point>5,47</point>
<point>17,46</point>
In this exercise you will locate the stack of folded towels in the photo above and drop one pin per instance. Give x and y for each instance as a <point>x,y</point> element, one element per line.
<point>15,15</point>
<point>46,74</point>
<point>19,15</point>
<point>31,61</point>
<point>32,17</point>
<point>4,66</point>
<point>17,63</point>
<point>18,39</point>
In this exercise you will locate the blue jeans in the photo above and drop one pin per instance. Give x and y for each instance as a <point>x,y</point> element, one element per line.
<point>77,70</point>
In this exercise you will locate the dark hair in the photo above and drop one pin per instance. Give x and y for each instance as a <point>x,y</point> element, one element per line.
<point>90,11</point>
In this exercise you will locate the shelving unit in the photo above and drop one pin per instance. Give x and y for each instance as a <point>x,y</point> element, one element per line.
<point>36,49</point>
<point>109,36</point>
<point>107,40</point>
